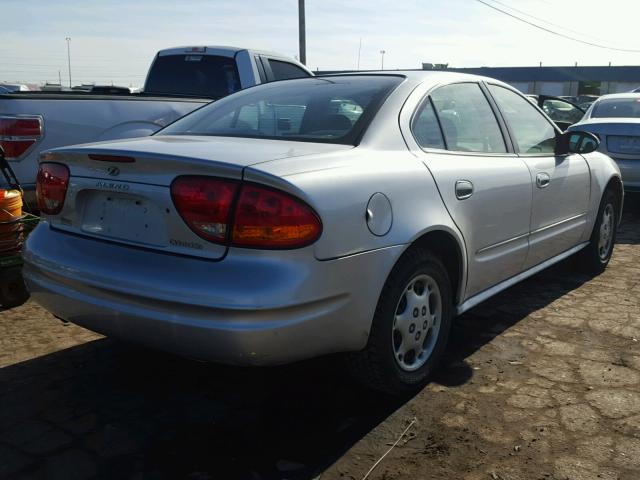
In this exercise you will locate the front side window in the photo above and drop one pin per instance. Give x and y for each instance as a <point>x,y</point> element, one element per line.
<point>532,132</point>
<point>468,123</point>
<point>285,70</point>
<point>331,110</point>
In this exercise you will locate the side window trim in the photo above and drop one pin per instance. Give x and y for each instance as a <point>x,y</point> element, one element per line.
<point>418,111</point>
<point>260,67</point>
<point>502,122</point>
<point>267,69</point>
<point>516,148</point>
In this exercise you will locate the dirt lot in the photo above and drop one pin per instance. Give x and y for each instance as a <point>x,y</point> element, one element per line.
<point>541,382</point>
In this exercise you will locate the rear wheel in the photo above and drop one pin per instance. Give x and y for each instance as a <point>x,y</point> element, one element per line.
<point>595,256</point>
<point>410,326</point>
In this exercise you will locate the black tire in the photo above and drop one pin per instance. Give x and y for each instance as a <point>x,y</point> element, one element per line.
<point>593,259</point>
<point>13,291</point>
<point>377,366</point>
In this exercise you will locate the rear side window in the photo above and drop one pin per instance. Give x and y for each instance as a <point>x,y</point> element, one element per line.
<point>532,132</point>
<point>425,127</point>
<point>468,123</point>
<point>316,109</point>
<point>198,75</point>
<point>285,70</point>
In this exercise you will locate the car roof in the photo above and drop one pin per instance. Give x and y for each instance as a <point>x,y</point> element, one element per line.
<point>433,77</point>
<point>613,96</point>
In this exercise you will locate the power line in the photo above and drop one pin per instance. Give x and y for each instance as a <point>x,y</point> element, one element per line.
<point>553,32</point>
<point>543,20</point>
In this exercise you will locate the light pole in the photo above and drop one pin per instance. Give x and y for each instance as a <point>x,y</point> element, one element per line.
<point>302,34</point>
<point>68,39</point>
<point>382,52</point>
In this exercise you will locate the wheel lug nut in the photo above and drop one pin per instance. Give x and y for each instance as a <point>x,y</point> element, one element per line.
<point>412,328</point>
<point>424,325</point>
<point>418,335</point>
<point>424,311</point>
<point>415,312</point>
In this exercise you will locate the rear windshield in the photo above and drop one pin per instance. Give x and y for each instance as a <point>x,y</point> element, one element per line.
<point>198,75</point>
<point>330,109</point>
<point>617,108</point>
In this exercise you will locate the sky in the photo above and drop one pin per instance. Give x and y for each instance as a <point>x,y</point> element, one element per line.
<point>114,41</point>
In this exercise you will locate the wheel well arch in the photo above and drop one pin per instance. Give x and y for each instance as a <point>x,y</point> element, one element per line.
<point>615,185</point>
<point>447,248</point>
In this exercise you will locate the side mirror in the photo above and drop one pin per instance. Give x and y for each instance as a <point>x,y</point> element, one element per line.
<point>576,142</point>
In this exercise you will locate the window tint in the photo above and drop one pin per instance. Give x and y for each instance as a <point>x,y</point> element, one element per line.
<point>199,75</point>
<point>467,120</point>
<point>532,132</point>
<point>425,127</point>
<point>285,70</point>
<point>335,110</point>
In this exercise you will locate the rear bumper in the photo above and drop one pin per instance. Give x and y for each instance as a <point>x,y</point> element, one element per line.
<point>630,172</point>
<point>248,309</point>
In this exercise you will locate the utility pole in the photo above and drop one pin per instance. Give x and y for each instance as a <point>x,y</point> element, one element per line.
<point>382,52</point>
<point>68,39</point>
<point>359,50</point>
<point>302,37</point>
<point>59,78</point>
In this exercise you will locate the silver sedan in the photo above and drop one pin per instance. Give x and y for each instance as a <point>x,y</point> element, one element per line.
<point>615,119</point>
<point>350,213</point>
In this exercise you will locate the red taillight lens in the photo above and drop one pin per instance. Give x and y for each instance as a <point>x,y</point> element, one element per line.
<point>18,134</point>
<point>204,203</point>
<point>51,187</point>
<point>260,217</point>
<point>20,127</point>
<point>266,218</point>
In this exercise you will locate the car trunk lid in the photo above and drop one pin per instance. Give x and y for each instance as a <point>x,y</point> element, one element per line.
<point>121,191</point>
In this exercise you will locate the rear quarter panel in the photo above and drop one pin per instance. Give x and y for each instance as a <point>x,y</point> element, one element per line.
<point>339,187</point>
<point>602,170</point>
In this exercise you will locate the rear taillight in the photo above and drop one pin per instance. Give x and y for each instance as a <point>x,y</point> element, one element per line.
<point>19,134</point>
<point>260,217</point>
<point>51,187</point>
<point>204,203</point>
<point>267,218</point>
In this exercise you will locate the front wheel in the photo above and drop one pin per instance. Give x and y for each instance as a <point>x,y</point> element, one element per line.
<point>595,256</point>
<point>410,327</point>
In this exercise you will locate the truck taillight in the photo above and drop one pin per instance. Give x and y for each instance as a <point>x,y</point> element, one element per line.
<point>51,187</point>
<point>244,215</point>
<point>19,134</point>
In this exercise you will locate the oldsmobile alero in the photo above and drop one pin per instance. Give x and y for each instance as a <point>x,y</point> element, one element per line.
<point>351,213</point>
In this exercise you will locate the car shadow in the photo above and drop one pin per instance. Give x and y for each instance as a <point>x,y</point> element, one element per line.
<point>128,412</point>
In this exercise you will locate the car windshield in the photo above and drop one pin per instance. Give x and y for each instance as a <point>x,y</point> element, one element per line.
<point>617,108</point>
<point>319,109</point>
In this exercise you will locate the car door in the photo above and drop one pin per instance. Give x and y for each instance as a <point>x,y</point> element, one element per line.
<point>561,183</point>
<point>484,185</point>
<point>563,113</point>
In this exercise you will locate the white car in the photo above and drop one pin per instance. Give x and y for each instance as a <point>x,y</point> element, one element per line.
<point>615,119</point>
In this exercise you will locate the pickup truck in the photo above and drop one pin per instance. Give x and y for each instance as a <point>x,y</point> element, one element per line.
<point>179,81</point>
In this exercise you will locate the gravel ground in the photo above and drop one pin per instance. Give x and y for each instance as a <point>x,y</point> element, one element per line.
<point>540,382</point>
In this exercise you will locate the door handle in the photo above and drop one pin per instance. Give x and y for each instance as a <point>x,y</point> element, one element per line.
<point>543,180</point>
<point>464,189</point>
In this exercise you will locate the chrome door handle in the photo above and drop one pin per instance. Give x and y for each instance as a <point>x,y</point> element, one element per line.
<point>543,180</point>
<point>464,189</point>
